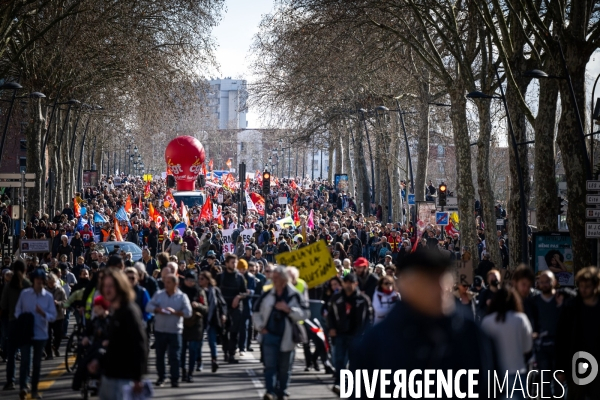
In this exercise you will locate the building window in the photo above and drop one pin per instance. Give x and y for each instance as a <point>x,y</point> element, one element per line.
<point>241,146</point>
<point>22,164</point>
<point>315,164</point>
<point>441,169</point>
<point>441,151</point>
<point>23,144</point>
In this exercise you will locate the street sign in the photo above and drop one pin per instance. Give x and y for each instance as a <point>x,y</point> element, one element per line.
<point>442,218</point>
<point>592,199</point>
<point>452,201</point>
<point>500,222</point>
<point>282,200</point>
<point>592,185</point>
<point>16,184</point>
<point>16,176</point>
<point>592,230</point>
<point>411,199</point>
<point>592,212</point>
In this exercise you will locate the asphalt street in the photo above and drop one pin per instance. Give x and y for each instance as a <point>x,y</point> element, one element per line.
<point>232,381</point>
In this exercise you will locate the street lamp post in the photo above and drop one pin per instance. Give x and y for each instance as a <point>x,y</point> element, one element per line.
<point>515,146</point>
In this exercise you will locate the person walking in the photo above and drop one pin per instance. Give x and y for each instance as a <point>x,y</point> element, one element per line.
<point>216,316</point>
<point>193,327</point>
<point>36,305</point>
<point>578,331</point>
<point>55,329</point>
<point>233,287</point>
<point>126,357</point>
<point>169,306</point>
<point>275,313</point>
<point>385,298</point>
<point>509,328</point>
<point>10,296</point>
<point>349,314</point>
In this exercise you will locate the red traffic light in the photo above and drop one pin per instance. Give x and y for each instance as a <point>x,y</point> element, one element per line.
<point>443,188</point>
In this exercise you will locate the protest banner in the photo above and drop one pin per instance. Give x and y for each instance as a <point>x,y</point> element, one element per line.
<point>314,263</point>
<point>228,245</point>
<point>463,272</point>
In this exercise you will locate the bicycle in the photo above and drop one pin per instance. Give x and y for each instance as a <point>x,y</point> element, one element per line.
<point>73,350</point>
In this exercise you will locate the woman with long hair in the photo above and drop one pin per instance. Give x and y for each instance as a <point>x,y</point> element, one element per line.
<point>126,356</point>
<point>509,328</point>
<point>216,316</point>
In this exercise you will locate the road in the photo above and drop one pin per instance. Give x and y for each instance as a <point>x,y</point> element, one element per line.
<point>235,381</point>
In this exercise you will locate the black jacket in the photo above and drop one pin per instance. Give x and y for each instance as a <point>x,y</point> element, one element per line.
<point>231,284</point>
<point>126,355</point>
<point>578,330</point>
<point>349,315</point>
<point>368,284</point>
<point>408,340</point>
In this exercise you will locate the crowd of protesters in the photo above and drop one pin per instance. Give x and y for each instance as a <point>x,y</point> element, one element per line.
<point>187,289</point>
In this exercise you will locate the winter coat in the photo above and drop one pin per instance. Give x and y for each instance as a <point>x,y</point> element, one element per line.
<point>193,326</point>
<point>383,304</point>
<point>299,312</point>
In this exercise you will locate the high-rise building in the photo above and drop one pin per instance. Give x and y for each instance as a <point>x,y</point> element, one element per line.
<point>227,102</point>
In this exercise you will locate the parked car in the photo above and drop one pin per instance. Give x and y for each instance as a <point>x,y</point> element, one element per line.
<point>128,247</point>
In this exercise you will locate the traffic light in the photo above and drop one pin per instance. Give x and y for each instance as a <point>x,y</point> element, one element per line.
<point>170,181</point>
<point>561,207</point>
<point>442,194</point>
<point>266,181</point>
<point>201,181</point>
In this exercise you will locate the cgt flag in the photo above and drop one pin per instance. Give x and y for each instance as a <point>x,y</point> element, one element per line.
<point>259,203</point>
<point>118,231</point>
<point>128,206</point>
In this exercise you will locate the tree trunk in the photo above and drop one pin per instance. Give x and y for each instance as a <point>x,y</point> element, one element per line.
<point>574,157</point>
<point>347,165</point>
<point>465,189</point>
<point>34,140</point>
<point>331,144</point>
<point>339,163</point>
<point>486,195</point>
<point>361,168</point>
<point>519,123</point>
<point>422,139</point>
<point>394,170</point>
<point>544,172</point>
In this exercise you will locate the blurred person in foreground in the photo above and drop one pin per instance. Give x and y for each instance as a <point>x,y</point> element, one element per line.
<point>126,357</point>
<point>579,330</point>
<point>423,331</point>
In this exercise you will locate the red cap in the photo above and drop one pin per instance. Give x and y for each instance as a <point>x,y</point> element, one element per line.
<point>361,262</point>
<point>100,301</point>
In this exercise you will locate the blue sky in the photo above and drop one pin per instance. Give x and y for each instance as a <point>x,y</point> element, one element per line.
<point>239,25</point>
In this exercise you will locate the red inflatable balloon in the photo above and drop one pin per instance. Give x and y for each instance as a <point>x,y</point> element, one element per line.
<point>184,156</point>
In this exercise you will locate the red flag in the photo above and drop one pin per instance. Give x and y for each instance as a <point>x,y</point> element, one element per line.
<point>77,209</point>
<point>259,202</point>
<point>128,206</point>
<point>204,169</point>
<point>296,216</point>
<point>228,163</point>
<point>169,197</point>
<point>118,231</point>
<point>247,183</point>
<point>151,212</point>
<point>293,185</point>
<point>140,204</point>
<point>147,190</point>
<point>207,211</point>
<point>210,164</point>
<point>218,216</point>
<point>228,182</point>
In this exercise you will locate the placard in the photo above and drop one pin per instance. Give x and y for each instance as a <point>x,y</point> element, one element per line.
<point>314,263</point>
<point>90,178</point>
<point>553,251</point>
<point>34,246</point>
<point>463,272</point>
